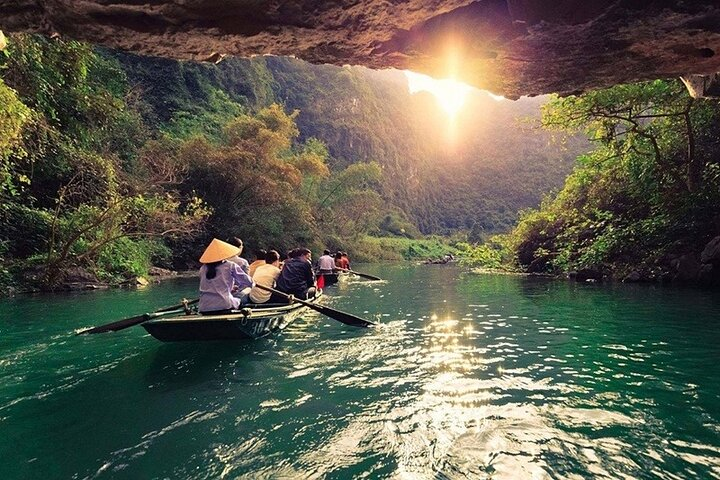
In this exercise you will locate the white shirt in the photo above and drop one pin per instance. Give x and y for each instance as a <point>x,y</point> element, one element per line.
<point>265,275</point>
<point>326,262</point>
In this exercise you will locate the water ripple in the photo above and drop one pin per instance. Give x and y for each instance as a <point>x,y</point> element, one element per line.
<point>467,377</point>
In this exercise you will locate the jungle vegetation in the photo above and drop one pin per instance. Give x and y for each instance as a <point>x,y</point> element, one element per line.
<point>113,162</point>
<point>644,201</point>
<point>87,182</point>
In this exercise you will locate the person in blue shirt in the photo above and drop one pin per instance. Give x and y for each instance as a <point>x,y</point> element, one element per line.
<point>296,277</point>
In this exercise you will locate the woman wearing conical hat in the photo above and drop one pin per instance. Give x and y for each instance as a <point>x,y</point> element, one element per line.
<point>219,278</point>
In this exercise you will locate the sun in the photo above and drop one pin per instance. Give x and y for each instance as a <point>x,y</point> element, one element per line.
<point>450,94</point>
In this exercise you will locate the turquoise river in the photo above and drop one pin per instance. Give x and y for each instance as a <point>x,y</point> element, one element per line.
<point>468,376</point>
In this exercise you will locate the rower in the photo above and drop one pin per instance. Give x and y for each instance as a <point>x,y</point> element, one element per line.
<point>326,263</point>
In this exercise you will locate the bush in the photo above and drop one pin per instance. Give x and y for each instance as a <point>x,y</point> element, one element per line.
<point>485,256</point>
<point>25,230</point>
<point>127,257</point>
<point>395,223</point>
<point>373,249</point>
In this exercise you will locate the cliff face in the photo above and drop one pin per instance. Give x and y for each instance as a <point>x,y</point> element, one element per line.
<point>511,47</point>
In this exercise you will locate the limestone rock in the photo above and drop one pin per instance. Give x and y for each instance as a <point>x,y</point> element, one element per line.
<point>707,274</point>
<point>711,252</point>
<point>161,272</point>
<point>78,275</point>
<point>687,267</point>
<point>703,86</point>
<point>511,47</point>
<point>633,277</point>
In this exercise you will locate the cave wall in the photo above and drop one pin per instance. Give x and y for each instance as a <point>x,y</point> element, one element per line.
<point>511,47</point>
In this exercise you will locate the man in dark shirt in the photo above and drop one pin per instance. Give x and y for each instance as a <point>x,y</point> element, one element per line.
<point>296,277</point>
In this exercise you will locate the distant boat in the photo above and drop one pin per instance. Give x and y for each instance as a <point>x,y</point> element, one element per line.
<point>248,323</point>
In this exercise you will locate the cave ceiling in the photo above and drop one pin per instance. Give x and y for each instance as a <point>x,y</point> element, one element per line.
<point>510,47</point>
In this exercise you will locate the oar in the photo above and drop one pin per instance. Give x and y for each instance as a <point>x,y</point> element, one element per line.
<point>364,275</point>
<point>346,318</point>
<point>136,320</point>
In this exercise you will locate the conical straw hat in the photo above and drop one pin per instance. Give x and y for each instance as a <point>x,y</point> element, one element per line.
<point>218,250</point>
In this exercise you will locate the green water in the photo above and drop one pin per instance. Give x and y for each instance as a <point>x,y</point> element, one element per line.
<point>470,376</point>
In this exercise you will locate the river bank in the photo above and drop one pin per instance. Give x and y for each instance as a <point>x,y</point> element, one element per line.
<point>77,279</point>
<point>695,263</point>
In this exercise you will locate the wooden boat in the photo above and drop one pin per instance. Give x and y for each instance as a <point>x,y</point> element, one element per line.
<point>250,322</point>
<point>330,278</point>
<point>333,278</point>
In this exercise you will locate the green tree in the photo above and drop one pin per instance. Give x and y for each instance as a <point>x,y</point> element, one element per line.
<point>71,184</point>
<point>647,192</point>
<point>14,115</point>
<point>635,122</point>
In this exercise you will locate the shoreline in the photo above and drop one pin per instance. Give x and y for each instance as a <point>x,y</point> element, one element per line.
<point>581,277</point>
<point>83,286</point>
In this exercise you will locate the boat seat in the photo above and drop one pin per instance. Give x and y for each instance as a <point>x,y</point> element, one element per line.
<point>265,305</point>
<point>217,312</point>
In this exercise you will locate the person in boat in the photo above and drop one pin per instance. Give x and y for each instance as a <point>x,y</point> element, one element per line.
<point>341,262</point>
<point>326,264</point>
<point>260,255</point>
<point>240,261</point>
<point>265,275</point>
<point>338,259</point>
<point>220,277</point>
<point>326,270</point>
<point>346,260</point>
<point>296,277</point>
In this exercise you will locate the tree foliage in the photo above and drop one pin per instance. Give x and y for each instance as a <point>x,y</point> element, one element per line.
<point>645,195</point>
<point>109,161</point>
<point>496,166</point>
<point>71,176</point>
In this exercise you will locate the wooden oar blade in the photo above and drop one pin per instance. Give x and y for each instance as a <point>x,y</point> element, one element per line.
<point>115,326</point>
<point>344,317</point>
<point>129,322</point>
<point>363,275</point>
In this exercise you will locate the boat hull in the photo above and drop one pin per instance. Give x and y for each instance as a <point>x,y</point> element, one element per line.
<point>330,278</point>
<point>245,324</point>
<point>333,278</point>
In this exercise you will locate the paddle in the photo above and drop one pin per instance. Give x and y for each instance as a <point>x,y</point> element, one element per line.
<point>364,275</point>
<point>136,320</point>
<point>346,318</point>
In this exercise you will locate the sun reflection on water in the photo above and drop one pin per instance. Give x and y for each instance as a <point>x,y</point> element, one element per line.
<point>471,409</point>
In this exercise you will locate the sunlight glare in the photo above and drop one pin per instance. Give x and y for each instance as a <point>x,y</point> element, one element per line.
<point>450,94</point>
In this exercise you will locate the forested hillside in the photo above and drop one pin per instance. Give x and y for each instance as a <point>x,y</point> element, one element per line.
<point>497,163</point>
<point>111,163</point>
<point>94,185</point>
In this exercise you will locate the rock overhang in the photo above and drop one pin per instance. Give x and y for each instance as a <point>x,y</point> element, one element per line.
<point>510,47</point>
